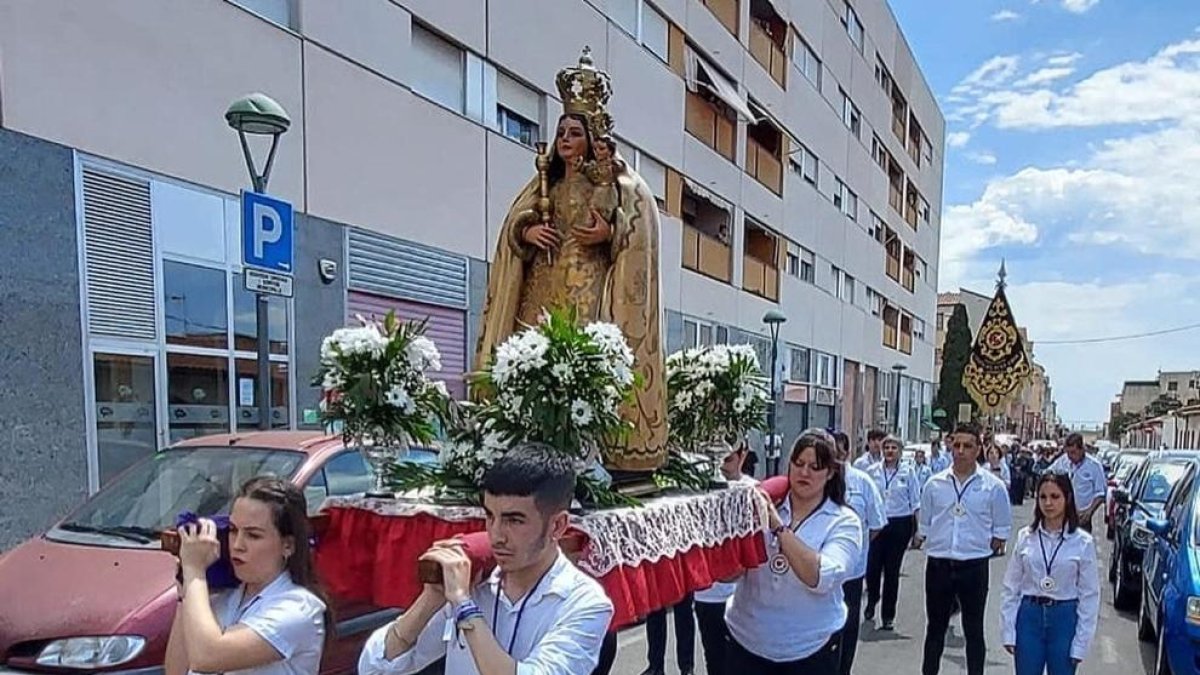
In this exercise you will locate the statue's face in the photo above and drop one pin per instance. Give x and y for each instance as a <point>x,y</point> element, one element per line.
<point>600,150</point>
<point>571,140</point>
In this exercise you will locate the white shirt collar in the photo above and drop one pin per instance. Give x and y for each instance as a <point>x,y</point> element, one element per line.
<point>554,582</point>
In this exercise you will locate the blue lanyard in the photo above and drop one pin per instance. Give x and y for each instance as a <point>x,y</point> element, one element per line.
<point>887,482</point>
<point>958,494</point>
<point>512,640</point>
<point>1049,562</point>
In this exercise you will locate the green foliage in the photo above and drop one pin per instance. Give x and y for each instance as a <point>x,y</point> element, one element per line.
<point>956,352</point>
<point>680,473</point>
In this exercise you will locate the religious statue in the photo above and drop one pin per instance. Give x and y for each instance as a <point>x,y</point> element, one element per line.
<point>583,233</point>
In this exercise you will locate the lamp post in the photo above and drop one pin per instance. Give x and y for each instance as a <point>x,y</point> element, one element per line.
<point>773,318</point>
<point>898,368</point>
<point>259,115</point>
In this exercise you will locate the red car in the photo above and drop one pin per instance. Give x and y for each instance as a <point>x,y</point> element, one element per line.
<point>96,592</point>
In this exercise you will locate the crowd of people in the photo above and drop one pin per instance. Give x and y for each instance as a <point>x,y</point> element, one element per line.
<point>844,525</point>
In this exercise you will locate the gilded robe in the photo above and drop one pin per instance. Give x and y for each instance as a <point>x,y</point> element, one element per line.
<point>616,282</point>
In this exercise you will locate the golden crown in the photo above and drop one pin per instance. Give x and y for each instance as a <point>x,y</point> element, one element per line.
<point>585,91</point>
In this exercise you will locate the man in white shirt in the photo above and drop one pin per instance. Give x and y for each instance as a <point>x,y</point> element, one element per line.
<point>939,459</point>
<point>536,613</point>
<point>922,468</point>
<point>901,499</point>
<point>965,519</point>
<point>874,453</point>
<point>863,497</point>
<point>1087,478</point>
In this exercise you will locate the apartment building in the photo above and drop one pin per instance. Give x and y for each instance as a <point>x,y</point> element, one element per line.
<point>794,146</point>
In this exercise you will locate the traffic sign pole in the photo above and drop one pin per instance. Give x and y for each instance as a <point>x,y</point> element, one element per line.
<point>268,247</point>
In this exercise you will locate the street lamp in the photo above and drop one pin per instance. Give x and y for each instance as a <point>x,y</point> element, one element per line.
<point>259,115</point>
<point>774,318</point>
<point>898,368</point>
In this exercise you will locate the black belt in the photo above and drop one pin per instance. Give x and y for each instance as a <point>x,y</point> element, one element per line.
<point>1048,602</point>
<point>952,563</point>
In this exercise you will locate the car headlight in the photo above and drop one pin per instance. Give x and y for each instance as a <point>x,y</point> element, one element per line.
<point>1193,610</point>
<point>91,652</point>
<point>1141,536</point>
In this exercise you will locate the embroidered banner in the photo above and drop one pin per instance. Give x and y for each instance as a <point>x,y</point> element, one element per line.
<point>998,366</point>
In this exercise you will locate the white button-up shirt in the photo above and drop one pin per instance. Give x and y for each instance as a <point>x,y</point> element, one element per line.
<point>286,615</point>
<point>719,593</point>
<point>865,461</point>
<point>900,488</point>
<point>775,615</point>
<point>924,472</point>
<point>940,462</point>
<point>969,536</point>
<point>560,631</point>
<point>1087,478</point>
<point>1076,577</point>
<point>863,497</point>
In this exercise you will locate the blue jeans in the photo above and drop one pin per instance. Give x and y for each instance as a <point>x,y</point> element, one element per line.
<point>1044,635</point>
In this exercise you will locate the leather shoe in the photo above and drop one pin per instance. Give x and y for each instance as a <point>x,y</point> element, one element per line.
<point>869,612</point>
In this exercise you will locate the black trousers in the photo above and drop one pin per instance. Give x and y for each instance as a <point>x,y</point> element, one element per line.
<point>852,593</point>
<point>884,560</point>
<point>685,637</point>
<point>608,654</point>
<point>947,581</point>
<point>822,662</point>
<point>714,635</point>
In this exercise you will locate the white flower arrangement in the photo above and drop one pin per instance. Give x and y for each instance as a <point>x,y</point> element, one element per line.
<point>559,384</point>
<point>714,394</point>
<point>374,382</point>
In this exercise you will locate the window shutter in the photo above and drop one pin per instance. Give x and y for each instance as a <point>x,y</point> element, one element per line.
<point>119,252</point>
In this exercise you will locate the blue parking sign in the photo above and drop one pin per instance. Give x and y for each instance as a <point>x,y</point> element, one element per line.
<point>266,232</point>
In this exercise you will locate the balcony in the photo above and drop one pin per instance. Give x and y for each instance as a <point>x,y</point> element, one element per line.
<point>895,186</point>
<point>764,166</point>
<point>726,12</point>
<point>760,261</point>
<point>711,122</point>
<point>907,278</point>
<point>913,201</point>
<point>706,254</point>
<point>768,40</point>
<point>915,134</point>
<point>899,115</point>
<point>906,338</point>
<point>890,334</point>
<point>893,268</point>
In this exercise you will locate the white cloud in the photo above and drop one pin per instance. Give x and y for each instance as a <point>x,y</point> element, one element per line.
<point>983,157</point>
<point>992,73</point>
<point>1045,76</point>
<point>1079,6</point>
<point>957,139</point>
<point>1005,15</point>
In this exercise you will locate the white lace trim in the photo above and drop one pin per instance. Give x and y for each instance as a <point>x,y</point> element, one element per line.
<point>668,526</point>
<point>660,528</point>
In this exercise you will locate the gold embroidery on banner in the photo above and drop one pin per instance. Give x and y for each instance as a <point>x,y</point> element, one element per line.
<point>998,366</point>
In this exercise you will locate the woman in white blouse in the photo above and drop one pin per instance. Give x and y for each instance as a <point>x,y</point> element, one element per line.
<point>996,464</point>
<point>274,622</point>
<point>1051,595</point>
<point>785,616</point>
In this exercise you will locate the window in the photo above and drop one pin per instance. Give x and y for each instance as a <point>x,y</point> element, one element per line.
<point>624,13</point>
<point>797,364</point>
<point>1172,386</point>
<point>847,291</point>
<point>877,227</point>
<point>517,110</point>
<point>924,210</point>
<point>806,60</point>
<point>835,280</point>
<point>880,153</point>
<point>655,174</point>
<point>853,26</point>
<point>807,165</point>
<point>277,11</point>
<point>654,31</point>
<point>701,334</point>
<point>882,77</point>
<point>793,263</point>
<point>194,305</point>
<point>851,116</point>
<point>438,69</point>
<point>824,370</point>
<point>875,302</point>
<point>845,200</point>
<point>918,329</point>
<point>808,265</point>
<point>245,320</point>
<point>926,149</point>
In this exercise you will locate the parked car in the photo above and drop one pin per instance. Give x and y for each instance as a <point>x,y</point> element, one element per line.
<point>1170,606</point>
<point>1140,501</point>
<point>1124,467</point>
<point>101,572</point>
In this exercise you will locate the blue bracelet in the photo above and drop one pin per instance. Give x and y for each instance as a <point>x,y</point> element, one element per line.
<point>466,610</point>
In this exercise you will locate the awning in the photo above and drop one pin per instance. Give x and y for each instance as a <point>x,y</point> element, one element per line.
<point>695,67</point>
<point>707,195</point>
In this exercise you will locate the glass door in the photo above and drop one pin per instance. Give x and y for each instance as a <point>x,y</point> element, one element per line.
<point>126,421</point>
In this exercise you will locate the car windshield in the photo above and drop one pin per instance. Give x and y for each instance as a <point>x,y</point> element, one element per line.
<point>1160,477</point>
<point>148,497</point>
<point>1126,467</point>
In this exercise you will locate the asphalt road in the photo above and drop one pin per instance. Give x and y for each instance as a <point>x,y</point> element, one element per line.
<point>1115,650</point>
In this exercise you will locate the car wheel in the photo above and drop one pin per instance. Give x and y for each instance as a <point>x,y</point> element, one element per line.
<point>1112,567</point>
<point>1123,595</point>
<point>1161,665</point>
<point>1145,629</point>
<point>1109,531</point>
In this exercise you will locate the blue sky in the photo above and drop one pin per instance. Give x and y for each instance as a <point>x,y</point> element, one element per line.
<point>1073,152</point>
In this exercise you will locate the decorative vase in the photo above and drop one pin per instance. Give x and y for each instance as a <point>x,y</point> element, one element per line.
<point>379,457</point>
<point>716,450</point>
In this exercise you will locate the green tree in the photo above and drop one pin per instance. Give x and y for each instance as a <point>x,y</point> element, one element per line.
<point>956,351</point>
<point>1119,423</point>
<point>1162,405</point>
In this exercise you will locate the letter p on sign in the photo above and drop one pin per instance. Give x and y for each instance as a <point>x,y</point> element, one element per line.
<point>266,232</point>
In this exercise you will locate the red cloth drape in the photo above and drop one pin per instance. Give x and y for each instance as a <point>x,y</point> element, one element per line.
<point>370,557</point>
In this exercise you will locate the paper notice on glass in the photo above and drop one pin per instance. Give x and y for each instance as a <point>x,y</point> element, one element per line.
<point>245,391</point>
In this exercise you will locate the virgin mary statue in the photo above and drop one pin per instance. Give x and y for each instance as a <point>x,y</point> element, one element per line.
<point>592,245</point>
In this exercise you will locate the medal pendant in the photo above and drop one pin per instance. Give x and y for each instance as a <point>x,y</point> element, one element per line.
<point>779,564</point>
<point>958,511</point>
<point>1048,584</point>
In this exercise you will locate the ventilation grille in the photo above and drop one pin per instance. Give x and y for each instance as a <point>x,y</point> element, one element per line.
<point>400,269</point>
<point>119,247</point>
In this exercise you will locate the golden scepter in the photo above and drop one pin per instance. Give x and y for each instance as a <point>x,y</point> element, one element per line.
<point>542,162</point>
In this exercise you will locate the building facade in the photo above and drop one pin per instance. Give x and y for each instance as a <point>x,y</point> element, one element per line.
<point>795,149</point>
